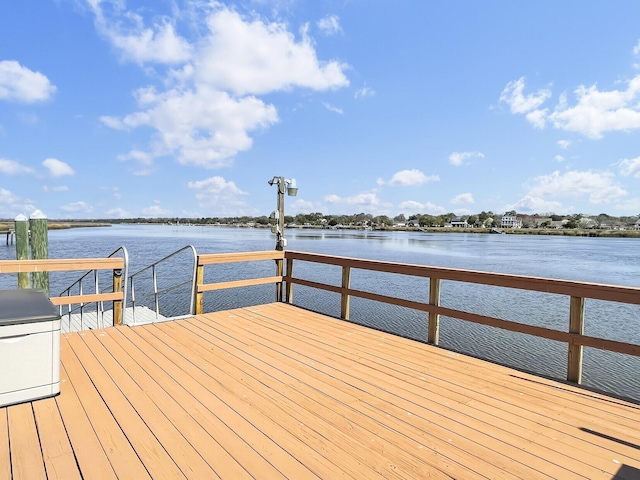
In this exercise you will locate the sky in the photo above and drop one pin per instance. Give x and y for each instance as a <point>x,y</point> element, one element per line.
<point>171,108</point>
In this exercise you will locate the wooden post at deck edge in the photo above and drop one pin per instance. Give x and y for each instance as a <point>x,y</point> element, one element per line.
<point>434,318</point>
<point>117,304</point>
<point>345,301</point>
<point>576,325</point>
<point>199,282</point>
<point>289,288</point>
<point>279,286</point>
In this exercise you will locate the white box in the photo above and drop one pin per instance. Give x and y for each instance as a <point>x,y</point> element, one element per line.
<point>29,347</point>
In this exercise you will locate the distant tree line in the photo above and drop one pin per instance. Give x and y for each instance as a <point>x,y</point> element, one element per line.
<point>318,219</point>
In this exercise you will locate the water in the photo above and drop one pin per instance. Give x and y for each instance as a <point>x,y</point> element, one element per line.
<point>602,260</point>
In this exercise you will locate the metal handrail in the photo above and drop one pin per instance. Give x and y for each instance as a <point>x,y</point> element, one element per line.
<point>157,292</point>
<point>100,304</point>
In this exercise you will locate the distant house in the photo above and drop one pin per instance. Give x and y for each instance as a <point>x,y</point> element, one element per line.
<point>510,221</point>
<point>636,226</point>
<point>536,221</point>
<point>413,223</point>
<point>458,222</point>
<point>557,224</point>
<point>589,223</point>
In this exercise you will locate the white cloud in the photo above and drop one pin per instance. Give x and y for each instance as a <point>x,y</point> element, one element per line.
<point>12,205</point>
<point>118,213</point>
<point>77,207</point>
<point>463,198</point>
<point>407,178</point>
<point>215,185</point>
<point>332,108</point>
<point>630,206</point>
<point>564,144</point>
<point>513,96</point>
<point>636,49</point>
<point>301,206</point>
<point>630,167</point>
<point>537,118</point>
<point>594,113</point>
<point>201,127</point>
<point>155,211</point>
<point>11,167</point>
<point>208,109</point>
<point>229,59</point>
<point>364,92</point>
<point>458,158</point>
<point>220,196</point>
<point>56,189</point>
<point>559,158</point>
<point>598,186</point>
<point>113,122</point>
<point>330,25</point>
<point>18,83</point>
<point>363,200</point>
<point>597,112</point>
<point>57,168</point>
<point>125,30</point>
<point>411,206</point>
<point>531,204</point>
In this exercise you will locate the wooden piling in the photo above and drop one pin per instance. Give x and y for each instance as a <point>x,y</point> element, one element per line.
<point>22,248</point>
<point>39,247</point>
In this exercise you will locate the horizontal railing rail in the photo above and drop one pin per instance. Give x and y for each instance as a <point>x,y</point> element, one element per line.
<point>577,291</point>
<point>224,258</point>
<point>77,304</point>
<point>116,294</point>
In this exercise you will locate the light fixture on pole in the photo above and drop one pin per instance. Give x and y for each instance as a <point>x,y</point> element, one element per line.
<point>284,185</point>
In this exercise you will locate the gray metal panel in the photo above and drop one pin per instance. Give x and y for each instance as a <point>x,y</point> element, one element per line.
<point>26,306</point>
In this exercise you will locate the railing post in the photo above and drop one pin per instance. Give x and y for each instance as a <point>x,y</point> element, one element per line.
<point>117,304</point>
<point>345,303</point>
<point>199,281</point>
<point>576,325</point>
<point>279,270</point>
<point>434,318</point>
<point>39,247</point>
<point>21,226</point>
<point>289,287</point>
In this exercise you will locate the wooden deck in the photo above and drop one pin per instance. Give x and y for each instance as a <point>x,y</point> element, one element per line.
<point>275,391</point>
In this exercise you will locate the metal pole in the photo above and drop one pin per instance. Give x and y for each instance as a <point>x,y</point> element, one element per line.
<point>280,231</point>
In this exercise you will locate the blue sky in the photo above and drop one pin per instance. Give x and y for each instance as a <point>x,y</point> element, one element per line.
<point>119,108</point>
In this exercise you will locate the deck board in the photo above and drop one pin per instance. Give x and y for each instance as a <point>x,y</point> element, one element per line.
<point>59,460</point>
<point>275,391</point>
<point>467,402</point>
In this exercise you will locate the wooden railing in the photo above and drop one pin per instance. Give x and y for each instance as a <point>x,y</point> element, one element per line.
<point>577,291</point>
<point>67,265</point>
<point>222,258</point>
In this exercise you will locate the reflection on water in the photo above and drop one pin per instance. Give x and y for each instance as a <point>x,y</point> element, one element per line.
<point>602,260</point>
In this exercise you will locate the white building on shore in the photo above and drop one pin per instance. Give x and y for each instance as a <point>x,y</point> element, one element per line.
<point>510,221</point>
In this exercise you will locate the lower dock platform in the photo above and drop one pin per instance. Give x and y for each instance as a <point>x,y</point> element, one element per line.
<point>275,391</point>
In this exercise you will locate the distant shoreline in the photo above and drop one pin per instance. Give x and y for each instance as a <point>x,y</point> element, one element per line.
<point>4,226</point>
<point>564,232</point>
